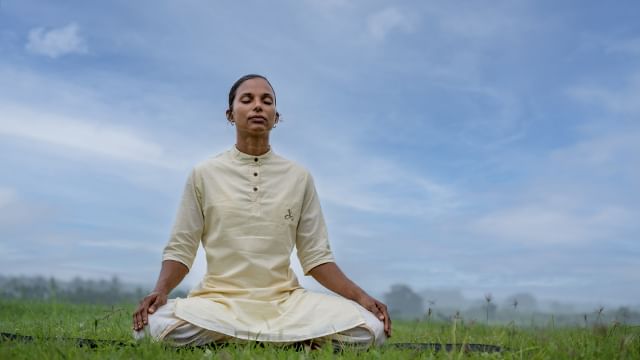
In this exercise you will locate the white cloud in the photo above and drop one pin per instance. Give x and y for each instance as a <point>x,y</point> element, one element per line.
<point>359,179</point>
<point>125,245</point>
<point>581,194</point>
<point>385,21</point>
<point>382,186</point>
<point>543,224</point>
<point>83,135</point>
<point>56,42</point>
<point>615,135</point>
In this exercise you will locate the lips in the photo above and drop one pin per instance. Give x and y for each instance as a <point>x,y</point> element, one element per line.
<point>258,119</point>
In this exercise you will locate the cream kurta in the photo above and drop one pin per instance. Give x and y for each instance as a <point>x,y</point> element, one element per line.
<point>249,212</point>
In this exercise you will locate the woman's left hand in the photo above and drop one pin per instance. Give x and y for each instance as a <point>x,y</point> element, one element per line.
<point>378,309</point>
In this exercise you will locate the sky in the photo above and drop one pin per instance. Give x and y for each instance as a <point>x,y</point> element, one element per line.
<point>492,147</point>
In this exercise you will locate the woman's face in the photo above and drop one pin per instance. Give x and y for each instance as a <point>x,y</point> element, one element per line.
<point>254,107</point>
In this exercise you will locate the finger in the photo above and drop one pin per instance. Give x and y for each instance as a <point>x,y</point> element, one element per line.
<point>385,318</point>
<point>141,314</point>
<point>137,320</point>
<point>157,302</point>
<point>149,306</point>
<point>376,311</point>
<point>387,326</point>
<point>145,314</point>
<point>379,311</point>
<point>373,308</point>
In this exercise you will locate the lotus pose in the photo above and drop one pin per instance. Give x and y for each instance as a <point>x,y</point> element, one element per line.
<point>249,208</point>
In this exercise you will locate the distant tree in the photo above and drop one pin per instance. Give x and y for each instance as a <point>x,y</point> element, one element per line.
<point>53,288</point>
<point>115,287</point>
<point>77,290</point>
<point>403,302</point>
<point>40,288</point>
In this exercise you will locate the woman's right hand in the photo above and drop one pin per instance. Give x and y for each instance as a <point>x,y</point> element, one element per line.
<point>147,306</point>
<point>171,274</point>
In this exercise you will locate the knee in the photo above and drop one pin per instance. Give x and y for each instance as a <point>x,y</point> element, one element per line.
<point>379,336</point>
<point>156,322</point>
<point>375,327</point>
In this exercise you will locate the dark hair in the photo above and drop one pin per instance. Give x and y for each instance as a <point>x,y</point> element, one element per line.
<point>236,85</point>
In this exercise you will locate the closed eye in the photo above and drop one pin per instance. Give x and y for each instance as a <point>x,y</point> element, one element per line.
<point>267,99</point>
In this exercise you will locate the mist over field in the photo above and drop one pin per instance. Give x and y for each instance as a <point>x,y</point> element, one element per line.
<point>405,303</point>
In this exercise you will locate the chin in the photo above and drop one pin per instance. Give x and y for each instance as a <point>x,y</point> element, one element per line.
<point>259,130</point>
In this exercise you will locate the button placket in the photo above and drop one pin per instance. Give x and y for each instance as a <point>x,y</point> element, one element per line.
<point>254,180</point>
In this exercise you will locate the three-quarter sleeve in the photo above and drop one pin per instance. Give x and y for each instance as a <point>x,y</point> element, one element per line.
<point>312,241</point>
<point>188,227</point>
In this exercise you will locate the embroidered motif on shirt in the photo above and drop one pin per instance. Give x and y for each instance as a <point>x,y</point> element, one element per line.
<point>288,215</point>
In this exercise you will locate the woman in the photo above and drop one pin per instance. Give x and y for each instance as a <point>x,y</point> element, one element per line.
<point>249,207</point>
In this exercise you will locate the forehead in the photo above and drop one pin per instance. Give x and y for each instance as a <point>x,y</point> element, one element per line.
<point>255,86</point>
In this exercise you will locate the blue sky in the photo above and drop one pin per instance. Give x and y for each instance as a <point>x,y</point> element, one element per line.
<point>487,146</point>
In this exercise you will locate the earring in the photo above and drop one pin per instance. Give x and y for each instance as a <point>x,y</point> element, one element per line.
<point>232,123</point>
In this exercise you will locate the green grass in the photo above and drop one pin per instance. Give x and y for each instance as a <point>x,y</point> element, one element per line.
<point>51,320</point>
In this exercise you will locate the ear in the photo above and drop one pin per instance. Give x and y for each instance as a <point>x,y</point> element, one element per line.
<point>229,115</point>
<point>277,117</point>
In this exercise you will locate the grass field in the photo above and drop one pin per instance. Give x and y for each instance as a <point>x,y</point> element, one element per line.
<point>51,320</point>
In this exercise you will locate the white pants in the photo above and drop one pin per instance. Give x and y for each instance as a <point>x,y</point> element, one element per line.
<point>165,326</point>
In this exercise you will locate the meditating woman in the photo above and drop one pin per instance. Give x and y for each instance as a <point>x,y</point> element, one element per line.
<point>249,208</point>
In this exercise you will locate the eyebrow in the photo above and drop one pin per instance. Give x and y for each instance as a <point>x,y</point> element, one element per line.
<point>251,95</point>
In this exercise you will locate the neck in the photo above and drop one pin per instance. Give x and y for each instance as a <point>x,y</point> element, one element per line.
<point>253,145</point>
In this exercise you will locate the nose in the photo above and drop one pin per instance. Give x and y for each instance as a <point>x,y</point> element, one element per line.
<point>257,106</point>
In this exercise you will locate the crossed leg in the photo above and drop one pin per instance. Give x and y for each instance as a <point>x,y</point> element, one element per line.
<point>165,326</point>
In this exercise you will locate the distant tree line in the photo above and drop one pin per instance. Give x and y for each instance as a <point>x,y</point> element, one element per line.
<point>77,290</point>
<point>521,309</point>
<point>403,302</point>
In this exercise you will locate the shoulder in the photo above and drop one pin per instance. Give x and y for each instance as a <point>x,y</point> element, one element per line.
<point>207,169</point>
<point>213,162</point>
<point>291,168</point>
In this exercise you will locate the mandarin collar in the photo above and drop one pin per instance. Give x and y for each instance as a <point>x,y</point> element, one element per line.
<point>246,158</point>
